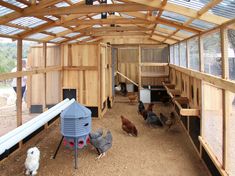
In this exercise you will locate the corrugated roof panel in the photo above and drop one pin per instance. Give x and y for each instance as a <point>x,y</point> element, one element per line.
<point>73,41</point>
<point>174,16</point>
<point>28,22</point>
<point>51,17</point>
<point>127,16</point>
<point>62,4</point>
<point>226,9</point>
<point>56,30</point>
<point>96,26</point>
<point>38,36</point>
<point>186,33</point>
<point>9,30</point>
<point>193,4</point>
<point>166,27</point>
<point>202,24</point>
<point>16,3</point>
<point>72,34</point>
<point>5,11</point>
<point>83,38</point>
<point>76,1</point>
<point>57,39</point>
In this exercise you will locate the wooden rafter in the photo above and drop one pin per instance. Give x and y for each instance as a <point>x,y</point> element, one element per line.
<point>163,4</point>
<point>163,21</point>
<point>27,10</point>
<point>200,13</point>
<point>84,9</point>
<point>10,6</point>
<point>208,17</point>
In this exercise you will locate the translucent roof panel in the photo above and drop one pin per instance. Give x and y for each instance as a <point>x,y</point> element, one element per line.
<point>51,17</point>
<point>186,33</point>
<point>73,41</point>
<point>56,30</point>
<point>174,16</point>
<point>166,27</point>
<point>202,24</point>
<point>193,4</point>
<point>226,9</point>
<point>38,36</point>
<point>9,30</point>
<point>75,1</point>
<point>16,3</point>
<point>28,22</point>
<point>72,34</point>
<point>5,11</point>
<point>62,4</point>
<point>96,26</point>
<point>127,16</point>
<point>57,39</point>
<point>83,38</point>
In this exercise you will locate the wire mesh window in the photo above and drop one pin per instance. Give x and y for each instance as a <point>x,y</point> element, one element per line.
<point>193,54</point>
<point>172,54</point>
<point>157,55</point>
<point>176,54</point>
<point>212,54</point>
<point>183,54</point>
<point>212,121</point>
<point>231,52</point>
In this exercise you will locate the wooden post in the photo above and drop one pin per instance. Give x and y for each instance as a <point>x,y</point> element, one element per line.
<point>45,74</point>
<point>139,66</point>
<point>225,75</point>
<point>99,81</point>
<point>19,79</point>
<point>201,69</point>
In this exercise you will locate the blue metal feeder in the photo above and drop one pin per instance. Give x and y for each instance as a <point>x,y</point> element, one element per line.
<point>76,126</point>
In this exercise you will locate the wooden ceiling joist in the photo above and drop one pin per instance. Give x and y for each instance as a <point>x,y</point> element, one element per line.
<point>119,34</point>
<point>85,9</point>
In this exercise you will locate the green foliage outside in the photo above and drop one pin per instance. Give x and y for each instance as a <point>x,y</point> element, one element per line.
<point>8,55</point>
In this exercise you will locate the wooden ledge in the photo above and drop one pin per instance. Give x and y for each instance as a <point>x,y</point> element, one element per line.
<point>186,111</point>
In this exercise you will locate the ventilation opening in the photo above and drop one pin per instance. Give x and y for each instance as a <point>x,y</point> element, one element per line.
<point>182,85</point>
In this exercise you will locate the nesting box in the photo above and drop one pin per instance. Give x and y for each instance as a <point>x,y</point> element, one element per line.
<point>75,121</point>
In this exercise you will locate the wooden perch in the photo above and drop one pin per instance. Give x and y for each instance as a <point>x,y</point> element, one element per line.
<point>127,78</point>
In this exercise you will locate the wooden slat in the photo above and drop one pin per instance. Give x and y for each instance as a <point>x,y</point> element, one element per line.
<point>127,78</point>
<point>79,68</point>
<point>18,74</point>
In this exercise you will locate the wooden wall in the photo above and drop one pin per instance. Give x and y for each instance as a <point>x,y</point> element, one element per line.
<point>43,89</point>
<point>87,68</point>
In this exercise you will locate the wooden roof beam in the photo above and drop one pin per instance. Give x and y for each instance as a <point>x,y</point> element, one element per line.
<point>11,6</point>
<point>84,9</point>
<point>163,21</point>
<point>27,10</point>
<point>163,4</point>
<point>208,17</point>
<point>200,13</point>
<point>109,21</point>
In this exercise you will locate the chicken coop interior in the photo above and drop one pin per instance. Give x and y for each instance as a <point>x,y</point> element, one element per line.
<point>177,57</point>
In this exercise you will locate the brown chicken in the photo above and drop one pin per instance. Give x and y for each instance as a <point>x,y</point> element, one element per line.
<point>132,98</point>
<point>129,127</point>
<point>150,107</point>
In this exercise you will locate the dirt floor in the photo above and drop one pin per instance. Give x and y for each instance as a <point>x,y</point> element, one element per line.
<point>155,152</point>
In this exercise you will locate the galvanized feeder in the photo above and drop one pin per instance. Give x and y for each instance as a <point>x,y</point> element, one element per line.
<point>76,125</point>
